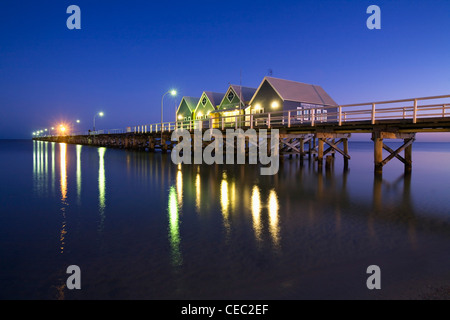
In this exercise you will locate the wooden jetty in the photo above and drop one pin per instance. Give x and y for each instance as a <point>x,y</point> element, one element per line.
<point>320,134</point>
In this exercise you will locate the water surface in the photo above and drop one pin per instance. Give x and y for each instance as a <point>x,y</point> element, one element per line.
<point>140,227</point>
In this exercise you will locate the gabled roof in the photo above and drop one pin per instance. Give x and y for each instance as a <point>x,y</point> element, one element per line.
<point>191,102</point>
<point>244,93</point>
<point>214,97</point>
<point>298,92</point>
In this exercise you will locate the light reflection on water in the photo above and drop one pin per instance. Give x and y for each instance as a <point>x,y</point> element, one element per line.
<point>249,235</point>
<point>63,188</point>
<point>101,187</point>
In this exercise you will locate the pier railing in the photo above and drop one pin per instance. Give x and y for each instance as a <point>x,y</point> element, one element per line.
<point>406,109</point>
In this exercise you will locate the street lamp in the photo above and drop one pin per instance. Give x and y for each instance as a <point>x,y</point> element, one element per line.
<point>101,114</point>
<point>173,93</point>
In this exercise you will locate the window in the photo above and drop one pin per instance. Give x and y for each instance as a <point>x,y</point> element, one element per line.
<point>204,101</point>
<point>230,96</point>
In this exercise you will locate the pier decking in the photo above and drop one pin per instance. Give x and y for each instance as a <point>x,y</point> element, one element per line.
<point>315,135</point>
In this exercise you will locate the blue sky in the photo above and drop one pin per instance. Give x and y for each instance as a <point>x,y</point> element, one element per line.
<point>128,53</point>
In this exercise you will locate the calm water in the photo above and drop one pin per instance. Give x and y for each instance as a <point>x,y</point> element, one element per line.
<point>140,227</point>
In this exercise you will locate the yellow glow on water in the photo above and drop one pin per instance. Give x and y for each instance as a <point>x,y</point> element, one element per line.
<point>224,202</point>
<point>256,212</point>
<point>179,183</point>
<point>197,192</point>
<point>273,217</point>
<point>233,196</point>
<point>174,227</point>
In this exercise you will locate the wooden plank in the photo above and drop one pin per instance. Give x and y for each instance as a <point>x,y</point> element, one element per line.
<point>295,136</point>
<point>396,135</point>
<point>333,135</point>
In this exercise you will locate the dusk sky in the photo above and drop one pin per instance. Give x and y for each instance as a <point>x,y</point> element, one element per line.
<point>129,53</point>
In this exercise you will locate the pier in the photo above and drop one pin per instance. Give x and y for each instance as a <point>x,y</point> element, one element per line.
<point>319,135</point>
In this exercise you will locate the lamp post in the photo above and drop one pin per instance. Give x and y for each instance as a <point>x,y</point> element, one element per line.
<point>101,114</point>
<point>73,126</point>
<point>173,93</point>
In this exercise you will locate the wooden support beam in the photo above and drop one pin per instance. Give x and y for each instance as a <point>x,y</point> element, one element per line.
<point>408,158</point>
<point>378,153</point>
<point>333,135</point>
<point>320,151</point>
<point>291,145</point>
<point>345,143</point>
<point>396,152</point>
<point>302,148</point>
<point>334,146</point>
<point>399,157</point>
<point>396,135</point>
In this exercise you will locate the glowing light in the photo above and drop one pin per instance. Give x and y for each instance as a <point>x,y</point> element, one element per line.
<point>256,212</point>
<point>62,128</point>
<point>179,183</point>
<point>273,217</point>
<point>63,187</point>
<point>174,227</point>
<point>180,117</point>
<point>224,202</point>
<point>197,192</point>
<point>173,92</point>
<point>101,186</point>
<point>275,104</point>
<point>258,106</point>
<point>78,121</point>
<point>78,173</point>
<point>199,114</point>
<point>63,178</point>
<point>101,114</point>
